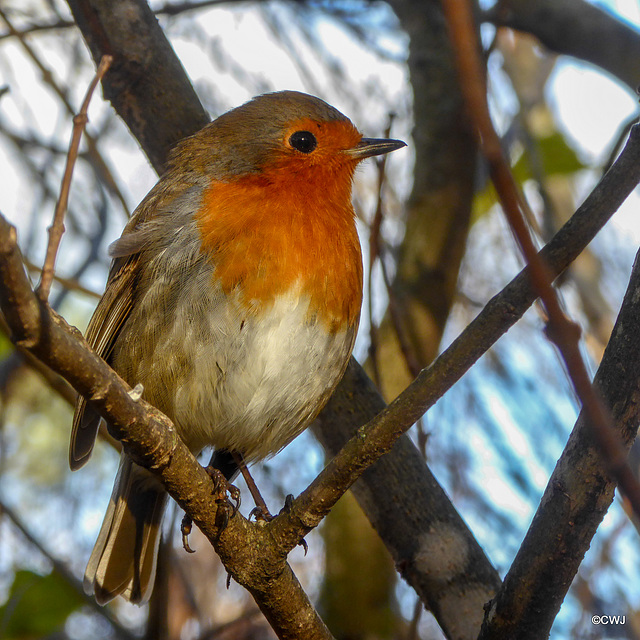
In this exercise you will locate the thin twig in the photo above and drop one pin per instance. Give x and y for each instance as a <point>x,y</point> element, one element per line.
<point>374,254</point>
<point>564,333</point>
<point>67,283</point>
<point>57,227</point>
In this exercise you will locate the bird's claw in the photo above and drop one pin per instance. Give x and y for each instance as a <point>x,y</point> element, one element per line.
<point>261,514</point>
<point>222,487</point>
<point>185,527</point>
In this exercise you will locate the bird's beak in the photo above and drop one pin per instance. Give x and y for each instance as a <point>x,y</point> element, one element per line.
<point>368,147</point>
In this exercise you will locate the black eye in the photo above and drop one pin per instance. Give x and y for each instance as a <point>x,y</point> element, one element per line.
<point>303,141</point>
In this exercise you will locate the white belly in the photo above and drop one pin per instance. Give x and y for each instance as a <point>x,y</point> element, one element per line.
<point>226,376</point>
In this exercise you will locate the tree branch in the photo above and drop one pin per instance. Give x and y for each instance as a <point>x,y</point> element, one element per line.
<point>438,212</point>
<point>577,497</point>
<point>146,84</point>
<point>576,28</point>
<point>246,549</point>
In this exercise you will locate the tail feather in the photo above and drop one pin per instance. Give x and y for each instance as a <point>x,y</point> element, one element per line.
<point>123,561</point>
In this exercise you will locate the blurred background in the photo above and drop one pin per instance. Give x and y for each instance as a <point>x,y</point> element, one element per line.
<point>435,244</point>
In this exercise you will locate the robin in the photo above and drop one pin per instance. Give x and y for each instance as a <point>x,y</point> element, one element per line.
<point>233,299</point>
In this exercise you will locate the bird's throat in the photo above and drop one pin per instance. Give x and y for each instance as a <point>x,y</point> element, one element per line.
<point>266,238</point>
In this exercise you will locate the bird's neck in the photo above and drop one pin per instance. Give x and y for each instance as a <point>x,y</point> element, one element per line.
<point>269,236</point>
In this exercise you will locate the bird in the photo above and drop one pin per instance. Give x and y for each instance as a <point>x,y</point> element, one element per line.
<point>233,301</point>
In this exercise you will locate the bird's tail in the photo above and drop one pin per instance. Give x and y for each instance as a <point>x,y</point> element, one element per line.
<point>123,561</point>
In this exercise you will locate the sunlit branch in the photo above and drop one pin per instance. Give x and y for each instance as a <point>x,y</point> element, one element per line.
<point>57,226</point>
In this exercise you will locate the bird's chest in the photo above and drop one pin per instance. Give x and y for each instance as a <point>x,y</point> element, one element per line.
<point>241,330</point>
<point>230,374</point>
<point>266,241</point>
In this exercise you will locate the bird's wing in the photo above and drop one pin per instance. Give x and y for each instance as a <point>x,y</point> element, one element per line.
<point>169,195</point>
<point>102,332</point>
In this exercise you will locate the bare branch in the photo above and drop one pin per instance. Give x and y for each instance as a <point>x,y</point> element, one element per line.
<point>70,285</point>
<point>57,227</point>
<point>246,549</point>
<point>564,333</point>
<point>577,497</point>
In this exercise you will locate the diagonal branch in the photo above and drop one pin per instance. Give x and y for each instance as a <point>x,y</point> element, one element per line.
<point>578,495</point>
<point>148,436</point>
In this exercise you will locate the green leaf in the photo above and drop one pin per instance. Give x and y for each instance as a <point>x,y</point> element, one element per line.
<point>557,158</point>
<point>37,605</point>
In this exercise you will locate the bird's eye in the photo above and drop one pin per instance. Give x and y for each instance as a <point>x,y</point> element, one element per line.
<point>303,141</point>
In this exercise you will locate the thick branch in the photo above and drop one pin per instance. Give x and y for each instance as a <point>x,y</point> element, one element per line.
<point>577,28</point>
<point>577,497</point>
<point>246,549</point>
<point>146,84</point>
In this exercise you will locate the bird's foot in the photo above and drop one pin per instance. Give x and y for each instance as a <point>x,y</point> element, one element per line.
<point>228,505</point>
<point>261,514</point>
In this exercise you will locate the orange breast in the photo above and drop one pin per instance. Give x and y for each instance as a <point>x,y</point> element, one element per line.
<point>284,228</point>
